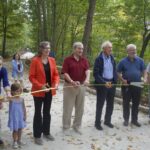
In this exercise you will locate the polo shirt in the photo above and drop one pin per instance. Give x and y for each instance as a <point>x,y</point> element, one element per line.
<point>131,70</point>
<point>75,69</point>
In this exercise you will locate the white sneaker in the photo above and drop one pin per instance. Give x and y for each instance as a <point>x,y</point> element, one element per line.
<point>15,145</point>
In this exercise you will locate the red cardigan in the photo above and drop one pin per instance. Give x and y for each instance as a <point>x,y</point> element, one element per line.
<point>37,75</point>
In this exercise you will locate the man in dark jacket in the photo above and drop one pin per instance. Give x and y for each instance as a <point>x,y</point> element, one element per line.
<point>105,76</point>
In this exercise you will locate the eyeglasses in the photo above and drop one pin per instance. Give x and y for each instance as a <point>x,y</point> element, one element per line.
<point>80,48</point>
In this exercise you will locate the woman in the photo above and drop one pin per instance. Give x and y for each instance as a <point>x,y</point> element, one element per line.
<point>43,74</point>
<point>17,70</point>
<point>4,79</point>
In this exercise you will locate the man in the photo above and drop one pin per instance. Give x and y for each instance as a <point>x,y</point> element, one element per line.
<point>105,75</point>
<point>130,69</point>
<point>76,73</point>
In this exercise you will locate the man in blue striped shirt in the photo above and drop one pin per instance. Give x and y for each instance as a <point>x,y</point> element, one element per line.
<point>105,75</point>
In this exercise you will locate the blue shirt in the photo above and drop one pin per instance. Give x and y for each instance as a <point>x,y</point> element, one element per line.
<point>108,67</point>
<point>3,77</point>
<point>15,70</point>
<point>131,70</point>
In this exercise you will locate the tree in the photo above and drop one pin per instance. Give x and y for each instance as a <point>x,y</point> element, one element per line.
<point>146,34</point>
<point>10,26</point>
<point>4,25</point>
<point>88,25</point>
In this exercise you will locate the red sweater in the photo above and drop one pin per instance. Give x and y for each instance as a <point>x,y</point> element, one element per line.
<point>37,75</point>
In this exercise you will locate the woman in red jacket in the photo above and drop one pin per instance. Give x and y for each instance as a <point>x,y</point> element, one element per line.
<point>43,74</point>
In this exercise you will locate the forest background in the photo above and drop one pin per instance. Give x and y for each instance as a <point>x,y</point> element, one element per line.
<point>24,23</point>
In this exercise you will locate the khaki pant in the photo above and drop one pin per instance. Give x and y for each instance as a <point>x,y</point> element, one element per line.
<point>73,97</point>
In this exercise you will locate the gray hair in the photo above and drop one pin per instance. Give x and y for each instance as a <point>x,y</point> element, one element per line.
<point>105,44</point>
<point>131,46</point>
<point>42,45</point>
<point>76,44</point>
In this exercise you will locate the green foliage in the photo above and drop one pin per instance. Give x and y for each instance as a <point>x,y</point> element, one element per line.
<point>16,17</point>
<point>120,21</point>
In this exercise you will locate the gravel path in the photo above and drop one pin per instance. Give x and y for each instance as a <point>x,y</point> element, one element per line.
<point>118,138</point>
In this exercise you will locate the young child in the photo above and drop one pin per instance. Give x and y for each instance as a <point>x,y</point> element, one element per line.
<point>17,114</point>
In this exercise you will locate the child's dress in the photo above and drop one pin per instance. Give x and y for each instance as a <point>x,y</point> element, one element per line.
<point>16,115</point>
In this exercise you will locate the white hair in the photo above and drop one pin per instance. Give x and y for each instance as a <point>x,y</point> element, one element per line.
<point>105,44</point>
<point>76,44</point>
<point>131,46</point>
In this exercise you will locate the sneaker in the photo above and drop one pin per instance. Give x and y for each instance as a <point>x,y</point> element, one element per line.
<point>77,130</point>
<point>110,125</point>
<point>21,143</point>
<point>15,145</point>
<point>136,123</point>
<point>49,137</point>
<point>38,141</point>
<point>1,142</point>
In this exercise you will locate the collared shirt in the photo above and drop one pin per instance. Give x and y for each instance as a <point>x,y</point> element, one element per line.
<point>75,69</point>
<point>108,67</point>
<point>131,70</point>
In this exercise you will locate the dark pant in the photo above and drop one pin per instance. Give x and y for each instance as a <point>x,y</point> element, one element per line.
<point>131,93</point>
<point>41,122</point>
<point>103,94</point>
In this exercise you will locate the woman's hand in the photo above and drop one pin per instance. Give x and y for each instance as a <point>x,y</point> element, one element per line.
<point>46,87</point>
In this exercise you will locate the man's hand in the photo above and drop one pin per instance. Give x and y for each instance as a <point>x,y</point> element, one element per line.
<point>124,82</point>
<point>86,83</point>
<point>108,85</point>
<point>75,83</point>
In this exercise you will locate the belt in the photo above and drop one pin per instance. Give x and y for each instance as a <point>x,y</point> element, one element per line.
<point>108,79</point>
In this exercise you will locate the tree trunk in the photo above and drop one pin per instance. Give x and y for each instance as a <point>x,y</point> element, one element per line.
<point>53,26</point>
<point>146,39</point>
<point>88,25</point>
<point>4,25</point>
<point>44,13</point>
<point>146,35</point>
<point>40,25</point>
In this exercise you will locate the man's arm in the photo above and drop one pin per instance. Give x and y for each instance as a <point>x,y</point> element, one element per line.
<point>87,79</point>
<point>121,78</point>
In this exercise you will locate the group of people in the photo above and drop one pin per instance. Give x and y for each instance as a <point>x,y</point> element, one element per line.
<point>44,76</point>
